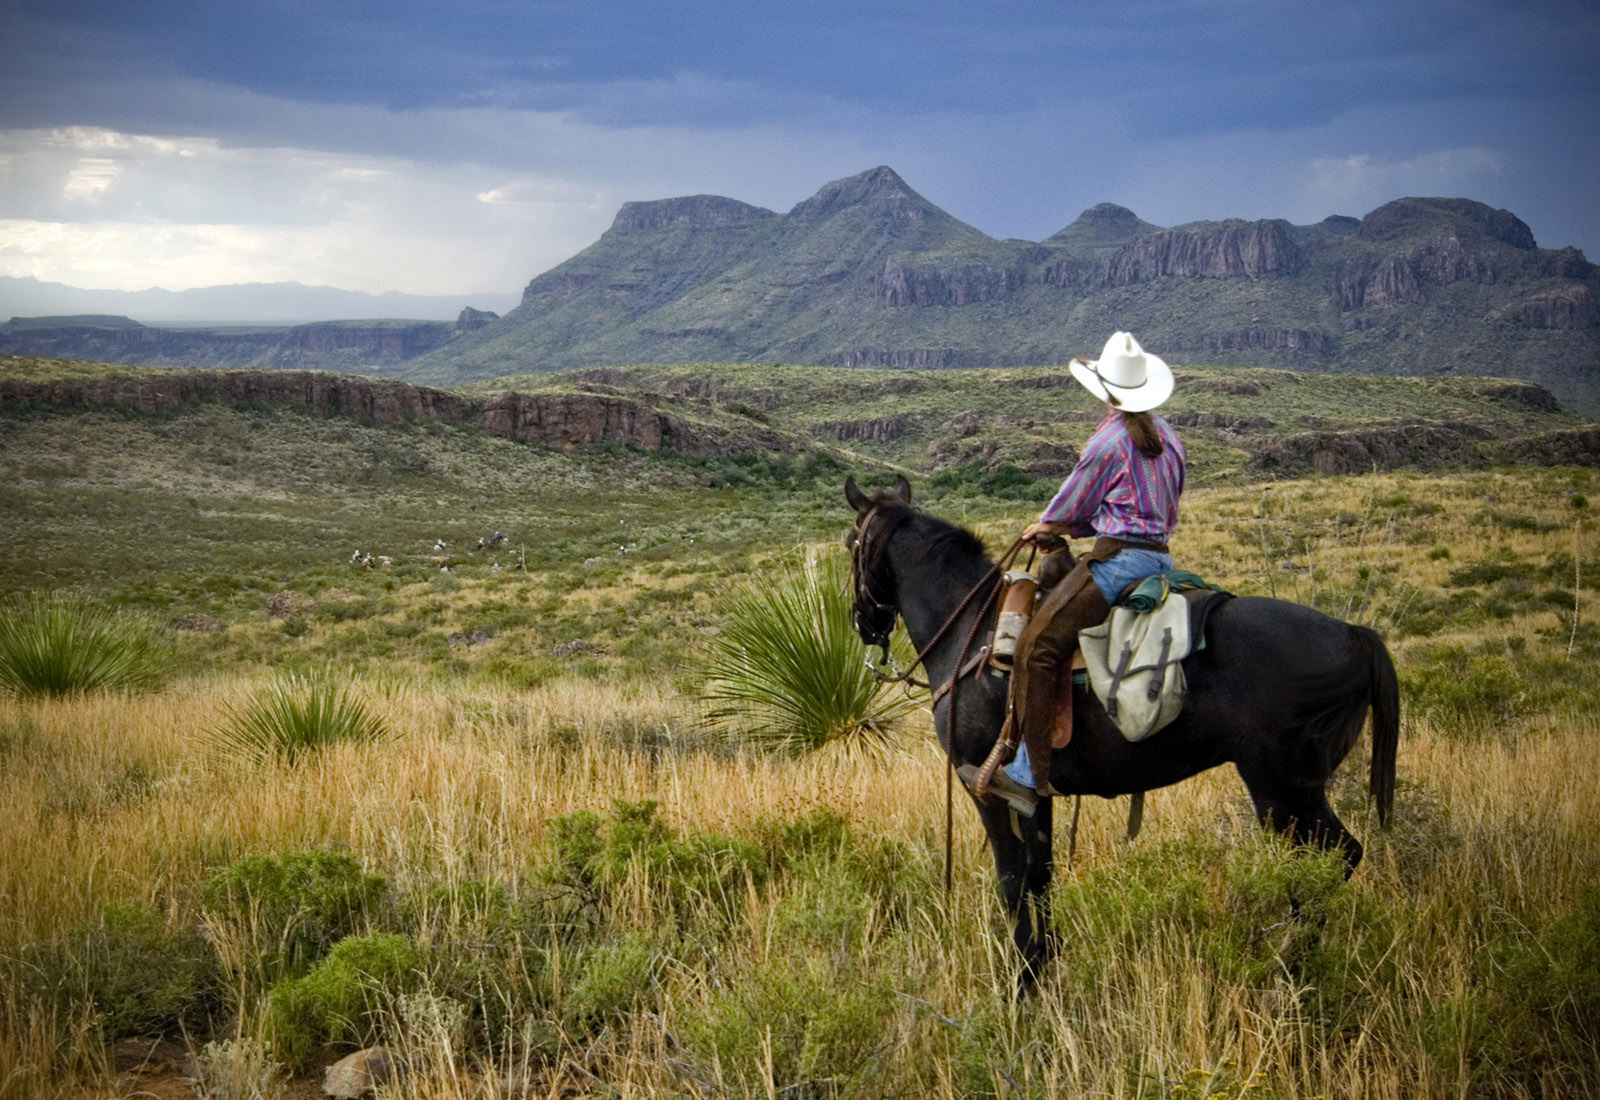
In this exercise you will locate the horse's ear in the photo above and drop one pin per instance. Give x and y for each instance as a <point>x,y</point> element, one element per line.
<point>902,488</point>
<point>858,500</point>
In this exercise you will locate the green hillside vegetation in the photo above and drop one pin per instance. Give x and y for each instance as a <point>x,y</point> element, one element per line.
<point>1021,417</point>
<point>532,867</point>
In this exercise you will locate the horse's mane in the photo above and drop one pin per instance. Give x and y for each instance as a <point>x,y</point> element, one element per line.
<point>941,539</point>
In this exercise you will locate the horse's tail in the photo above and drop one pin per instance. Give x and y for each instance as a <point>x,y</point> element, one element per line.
<point>1385,701</point>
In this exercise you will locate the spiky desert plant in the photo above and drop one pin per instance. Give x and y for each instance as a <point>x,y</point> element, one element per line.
<point>63,643</point>
<point>296,714</point>
<point>787,671</point>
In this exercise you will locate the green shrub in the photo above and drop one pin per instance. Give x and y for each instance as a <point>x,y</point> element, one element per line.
<point>594,854</point>
<point>288,909</point>
<point>345,997</point>
<point>296,714</point>
<point>612,979</point>
<point>787,670</point>
<point>142,973</point>
<point>819,1013</point>
<point>64,644</point>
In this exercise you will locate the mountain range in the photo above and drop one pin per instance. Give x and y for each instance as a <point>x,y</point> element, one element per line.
<point>235,304</point>
<point>868,272</point>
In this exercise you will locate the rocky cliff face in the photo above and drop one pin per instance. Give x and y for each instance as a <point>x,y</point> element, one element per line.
<point>1567,307</point>
<point>562,421</point>
<point>1258,250</point>
<point>899,285</point>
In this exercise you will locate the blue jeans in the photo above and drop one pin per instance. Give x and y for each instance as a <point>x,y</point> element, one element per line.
<point>1112,576</point>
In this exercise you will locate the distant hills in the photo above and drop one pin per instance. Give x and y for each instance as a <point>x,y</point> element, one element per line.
<point>238,304</point>
<point>869,273</point>
<point>363,346</point>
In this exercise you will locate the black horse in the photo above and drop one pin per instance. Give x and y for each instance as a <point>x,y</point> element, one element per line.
<point>1280,691</point>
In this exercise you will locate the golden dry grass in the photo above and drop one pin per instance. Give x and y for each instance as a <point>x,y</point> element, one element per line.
<point>126,798</point>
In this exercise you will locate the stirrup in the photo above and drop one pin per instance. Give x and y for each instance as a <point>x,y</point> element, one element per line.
<point>1002,786</point>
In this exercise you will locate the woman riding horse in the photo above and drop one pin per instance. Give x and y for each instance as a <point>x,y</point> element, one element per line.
<point>1124,491</point>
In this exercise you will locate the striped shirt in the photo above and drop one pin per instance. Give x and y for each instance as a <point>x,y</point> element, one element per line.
<point>1117,492</point>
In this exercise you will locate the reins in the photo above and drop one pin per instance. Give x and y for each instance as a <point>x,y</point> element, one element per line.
<point>962,667</point>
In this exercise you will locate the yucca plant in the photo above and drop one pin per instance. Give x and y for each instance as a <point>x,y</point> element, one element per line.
<point>61,643</point>
<point>297,714</point>
<point>788,670</point>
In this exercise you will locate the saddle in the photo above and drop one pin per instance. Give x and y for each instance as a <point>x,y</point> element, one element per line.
<point>1199,599</point>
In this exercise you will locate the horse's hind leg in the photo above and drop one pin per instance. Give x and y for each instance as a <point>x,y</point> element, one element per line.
<point>1303,815</point>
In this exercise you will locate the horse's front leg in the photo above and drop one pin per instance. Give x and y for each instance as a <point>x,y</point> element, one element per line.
<point>1022,861</point>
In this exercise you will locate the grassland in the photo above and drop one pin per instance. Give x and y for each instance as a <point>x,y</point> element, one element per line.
<point>771,927</point>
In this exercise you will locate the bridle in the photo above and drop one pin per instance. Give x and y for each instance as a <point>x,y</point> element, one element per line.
<point>865,559</point>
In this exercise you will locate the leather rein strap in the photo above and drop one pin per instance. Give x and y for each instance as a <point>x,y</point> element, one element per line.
<point>963,666</point>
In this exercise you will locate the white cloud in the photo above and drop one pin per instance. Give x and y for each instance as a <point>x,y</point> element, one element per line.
<point>97,208</point>
<point>1363,180</point>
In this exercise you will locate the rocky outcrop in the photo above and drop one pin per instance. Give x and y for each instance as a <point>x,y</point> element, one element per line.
<point>1219,385</point>
<point>1254,250</point>
<point>342,345</point>
<point>558,284</point>
<point>1534,397</point>
<point>898,284</point>
<point>1189,418</point>
<point>1566,307</point>
<point>568,421</point>
<point>881,188</point>
<point>1260,336</point>
<point>893,357</point>
<point>1103,225</point>
<point>1396,281</point>
<point>471,320</point>
<point>1404,443</point>
<point>1445,259</point>
<point>1579,447</point>
<point>564,421</point>
<point>1566,263</point>
<point>380,402</point>
<point>881,429</point>
<point>691,211</point>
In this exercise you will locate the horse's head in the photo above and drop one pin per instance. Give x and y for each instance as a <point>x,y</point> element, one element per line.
<point>872,585</point>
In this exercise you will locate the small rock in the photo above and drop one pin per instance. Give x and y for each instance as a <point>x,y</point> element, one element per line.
<point>359,1074</point>
<point>281,606</point>
<point>455,637</point>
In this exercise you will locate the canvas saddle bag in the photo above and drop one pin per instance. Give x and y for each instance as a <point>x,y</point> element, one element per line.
<point>1133,662</point>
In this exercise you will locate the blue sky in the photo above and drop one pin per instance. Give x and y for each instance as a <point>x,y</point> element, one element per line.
<point>451,148</point>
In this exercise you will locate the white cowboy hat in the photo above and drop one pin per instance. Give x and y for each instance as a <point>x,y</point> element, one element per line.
<point>1126,376</point>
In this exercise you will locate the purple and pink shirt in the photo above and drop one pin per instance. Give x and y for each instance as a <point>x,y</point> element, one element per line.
<point>1117,492</point>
